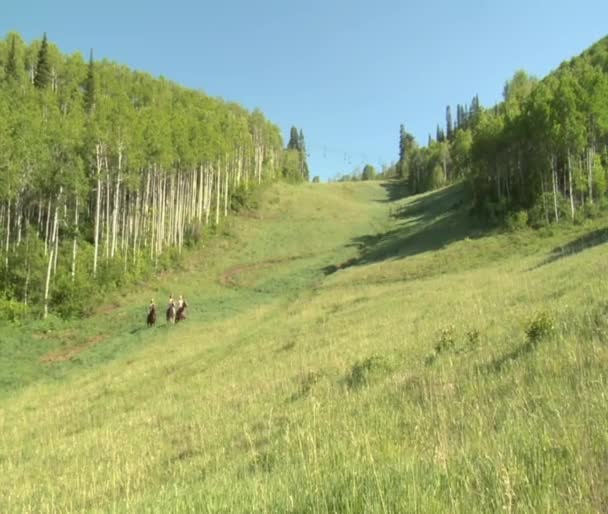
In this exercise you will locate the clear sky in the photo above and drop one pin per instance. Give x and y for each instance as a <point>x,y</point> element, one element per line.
<point>347,72</point>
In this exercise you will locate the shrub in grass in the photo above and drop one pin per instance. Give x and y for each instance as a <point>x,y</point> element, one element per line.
<point>306,382</point>
<point>539,327</point>
<point>362,371</point>
<point>11,310</point>
<point>517,221</point>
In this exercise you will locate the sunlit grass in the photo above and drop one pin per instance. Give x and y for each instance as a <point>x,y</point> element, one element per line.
<point>415,378</point>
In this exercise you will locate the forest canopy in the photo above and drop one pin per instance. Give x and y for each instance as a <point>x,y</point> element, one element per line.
<point>540,155</point>
<point>107,173</point>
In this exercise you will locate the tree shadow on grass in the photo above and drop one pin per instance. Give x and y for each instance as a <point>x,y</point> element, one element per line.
<point>584,242</point>
<point>429,223</point>
<point>499,363</point>
<point>395,189</point>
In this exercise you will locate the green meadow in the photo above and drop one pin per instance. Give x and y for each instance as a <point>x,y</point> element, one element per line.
<point>347,349</point>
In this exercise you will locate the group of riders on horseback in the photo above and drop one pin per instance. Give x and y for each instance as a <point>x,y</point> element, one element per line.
<point>174,313</point>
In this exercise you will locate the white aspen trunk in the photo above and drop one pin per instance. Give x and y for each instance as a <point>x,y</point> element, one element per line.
<point>554,178</point>
<point>47,228</point>
<point>26,287</point>
<point>193,194</point>
<point>8,231</point>
<point>123,225</point>
<point>39,221</point>
<point>175,207</point>
<point>590,164</point>
<point>97,207</point>
<point>136,222</point>
<point>146,210</point>
<point>163,218</point>
<point>162,213</point>
<point>152,229</point>
<point>106,242</point>
<point>239,166</point>
<point>218,194</point>
<point>201,189</point>
<point>258,167</point>
<point>19,213</point>
<point>75,241</point>
<point>116,206</point>
<point>49,268</point>
<point>56,238</point>
<point>570,185</point>
<point>208,192</point>
<point>181,211</point>
<point>545,210</point>
<point>226,189</point>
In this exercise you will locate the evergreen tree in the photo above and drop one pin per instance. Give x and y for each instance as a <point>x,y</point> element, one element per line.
<point>42,78</point>
<point>10,68</point>
<point>369,172</point>
<point>294,139</point>
<point>90,87</point>
<point>448,122</point>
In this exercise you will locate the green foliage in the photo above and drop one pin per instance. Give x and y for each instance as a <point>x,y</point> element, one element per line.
<point>10,310</point>
<point>244,198</point>
<point>152,149</point>
<point>369,173</point>
<point>362,371</point>
<point>542,145</point>
<point>541,326</point>
<point>11,67</point>
<point>74,298</point>
<point>517,220</point>
<point>42,77</point>
<point>90,87</point>
<point>296,169</point>
<point>292,167</point>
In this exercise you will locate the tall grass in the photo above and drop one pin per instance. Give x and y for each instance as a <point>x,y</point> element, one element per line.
<point>350,364</point>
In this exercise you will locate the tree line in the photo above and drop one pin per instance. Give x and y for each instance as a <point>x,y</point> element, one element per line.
<point>107,173</point>
<point>540,155</point>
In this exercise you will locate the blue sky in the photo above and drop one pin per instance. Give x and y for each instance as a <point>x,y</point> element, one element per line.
<point>347,72</point>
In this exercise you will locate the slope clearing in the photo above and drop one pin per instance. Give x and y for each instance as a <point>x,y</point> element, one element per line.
<point>345,351</point>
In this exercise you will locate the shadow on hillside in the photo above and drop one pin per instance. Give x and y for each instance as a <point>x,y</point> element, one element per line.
<point>395,189</point>
<point>589,240</point>
<point>429,223</point>
<point>498,364</point>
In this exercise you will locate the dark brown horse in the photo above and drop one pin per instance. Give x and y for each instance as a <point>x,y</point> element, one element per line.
<point>151,319</point>
<point>171,313</point>
<point>180,315</point>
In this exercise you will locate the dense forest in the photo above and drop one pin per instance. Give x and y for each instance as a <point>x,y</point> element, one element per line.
<point>538,157</point>
<point>106,174</point>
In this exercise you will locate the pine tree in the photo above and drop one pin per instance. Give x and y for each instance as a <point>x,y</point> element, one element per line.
<point>90,87</point>
<point>440,135</point>
<point>294,139</point>
<point>302,150</point>
<point>301,143</point>
<point>10,68</point>
<point>448,122</point>
<point>42,78</point>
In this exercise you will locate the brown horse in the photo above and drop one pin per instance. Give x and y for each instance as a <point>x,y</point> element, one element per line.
<point>151,319</point>
<point>180,315</point>
<point>171,313</point>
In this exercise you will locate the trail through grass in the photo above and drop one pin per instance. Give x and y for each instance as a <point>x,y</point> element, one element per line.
<point>346,350</point>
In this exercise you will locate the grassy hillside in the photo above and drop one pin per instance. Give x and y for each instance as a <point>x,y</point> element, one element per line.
<point>346,351</point>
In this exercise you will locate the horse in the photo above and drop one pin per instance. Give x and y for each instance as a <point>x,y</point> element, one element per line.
<point>180,315</point>
<point>151,319</point>
<point>171,313</point>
